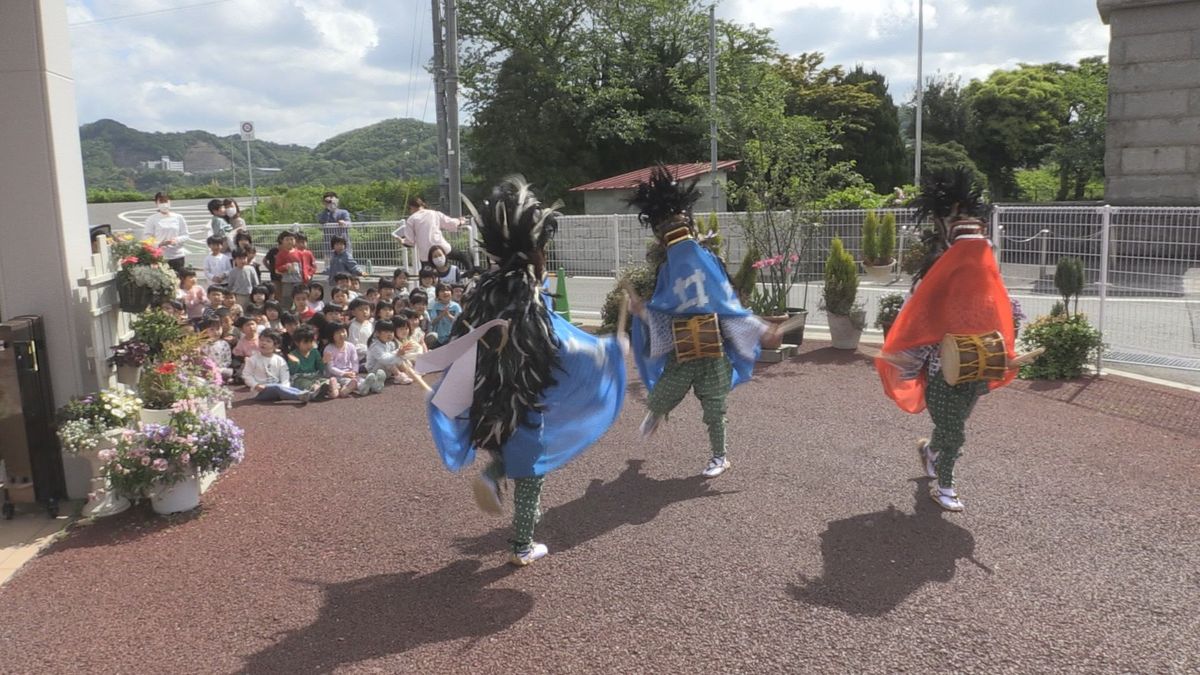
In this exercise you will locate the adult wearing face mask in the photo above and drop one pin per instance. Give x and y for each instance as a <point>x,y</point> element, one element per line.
<point>423,229</point>
<point>169,230</point>
<point>335,222</point>
<point>448,272</point>
<point>233,214</point>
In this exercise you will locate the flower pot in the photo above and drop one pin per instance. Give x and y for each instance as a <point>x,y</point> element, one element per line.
<point>878,273</point>
<point>176,497</point>
<point>155,416</point>
<point>217,409</point>
<point>129,375</point>
<point>843,332</point>
<point>134,298</point>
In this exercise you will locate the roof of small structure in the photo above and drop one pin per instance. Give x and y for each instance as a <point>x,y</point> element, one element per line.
<point>629,181</point>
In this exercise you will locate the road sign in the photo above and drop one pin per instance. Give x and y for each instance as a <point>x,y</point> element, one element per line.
<point>247,131</point>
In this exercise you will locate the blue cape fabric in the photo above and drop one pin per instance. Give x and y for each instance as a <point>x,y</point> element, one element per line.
<point>691,281</point>
<point>579,409</point>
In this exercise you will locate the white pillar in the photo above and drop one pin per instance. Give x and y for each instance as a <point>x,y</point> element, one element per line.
<point>44,244</point>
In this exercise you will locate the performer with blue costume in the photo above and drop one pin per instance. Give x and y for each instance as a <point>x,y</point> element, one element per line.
<point>693,333</point>
<point>521,382</point>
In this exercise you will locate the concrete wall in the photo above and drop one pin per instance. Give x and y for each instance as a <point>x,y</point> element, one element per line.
<point>1153,139</point>
<point>608,202</point>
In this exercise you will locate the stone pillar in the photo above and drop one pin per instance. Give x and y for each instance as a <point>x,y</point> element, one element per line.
<point>1153,139</point>
<point>44,243</point>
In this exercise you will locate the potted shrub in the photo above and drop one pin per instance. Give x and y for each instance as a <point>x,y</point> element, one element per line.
<point>86,426</point>
<point>144,278</point>
<point>1070,343</point>
<point>156,329</point>
<point>889,309</point>
<point>129,357</point>
<point>878,245</point>
<point>181,372</point>
<point>846,317</point>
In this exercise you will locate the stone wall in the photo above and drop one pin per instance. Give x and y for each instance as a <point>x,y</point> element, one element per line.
<point>1153,139</point>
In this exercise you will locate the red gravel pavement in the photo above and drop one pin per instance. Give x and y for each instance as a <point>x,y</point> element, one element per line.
<point>342,545</point>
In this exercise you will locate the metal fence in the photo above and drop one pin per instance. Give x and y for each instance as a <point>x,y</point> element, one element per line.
<point>1142,264</point>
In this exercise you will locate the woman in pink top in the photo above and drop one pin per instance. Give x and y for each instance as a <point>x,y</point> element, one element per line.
<point>423,229</point>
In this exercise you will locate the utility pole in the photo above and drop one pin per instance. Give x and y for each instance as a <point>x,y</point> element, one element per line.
<point>453,154</point>
<point>439,89</point>
<point>253,196</point>
<point>712,99</point>
<point>920,90</point>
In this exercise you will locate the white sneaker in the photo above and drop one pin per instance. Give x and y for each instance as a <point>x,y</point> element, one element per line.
<point>380,380</point>
<point>366,385</point>
<point>926,458</point>
<point>946,498</point>
<point>716,466</point>
<point>650,424</point>
<point>487,494</point>
<point>535,551</point>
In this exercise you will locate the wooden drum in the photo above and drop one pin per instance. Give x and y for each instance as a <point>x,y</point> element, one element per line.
<point>697,337</point>
<point>974,358</point>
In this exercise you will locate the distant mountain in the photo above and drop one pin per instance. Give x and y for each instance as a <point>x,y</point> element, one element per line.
<point>115,156</point>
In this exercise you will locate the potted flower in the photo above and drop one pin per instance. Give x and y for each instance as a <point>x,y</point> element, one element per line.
<point>846,316</point>
<point>144,278</point>
<point>154,462</point>
<point>87,426</point>
<point>889,309</point>
<point>129,357</point>
<point>878,245</point>
<point>156,329</point>
<point>180,373</point>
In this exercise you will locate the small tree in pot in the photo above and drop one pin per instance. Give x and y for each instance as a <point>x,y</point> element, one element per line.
<point>846,317</point>
<point>889,309</point>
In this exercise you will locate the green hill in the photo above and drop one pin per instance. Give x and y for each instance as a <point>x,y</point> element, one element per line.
<point>114,156</point>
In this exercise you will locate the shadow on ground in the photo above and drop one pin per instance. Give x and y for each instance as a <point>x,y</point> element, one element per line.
<point>876,560</point>
<point>138,522</point>
<point>830,356</point>
<point>632,498</point>
<point>392,613</point>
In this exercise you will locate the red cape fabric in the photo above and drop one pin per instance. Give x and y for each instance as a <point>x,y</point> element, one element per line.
<point>963,293</point>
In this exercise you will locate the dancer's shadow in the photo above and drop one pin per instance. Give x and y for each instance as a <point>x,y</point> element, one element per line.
<point>632,498</point>
<point>393,613</point>
<point>876,560</point>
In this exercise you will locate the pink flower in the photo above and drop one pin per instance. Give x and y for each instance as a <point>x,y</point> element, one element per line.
<point>795,258</point>
<point>145,461</point>
<point>186,458</point>
<point>160,465</point>
<point>107,455</point>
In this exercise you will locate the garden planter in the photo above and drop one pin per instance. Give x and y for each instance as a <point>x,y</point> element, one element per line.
<point>795,336</point>
<point>176,497</point>
<point>878,273</point>
<point>843,332</point>
<point>134,298</point>
<point>217,409</point>
<point>155,416</point>
<point>129,375</point>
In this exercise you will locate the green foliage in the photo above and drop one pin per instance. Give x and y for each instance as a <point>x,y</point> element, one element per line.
<point>156,328</point>
<point>873,142</point>
<point>945,115</point>
<point>841,280</point>
<point>709,230</point>
<point>945,158</point>
<point>642,278</point>
<point>378,200</point>
<point>887,239</point>
<point>1058,309</point>
<point>1069,280</point>
<point>746,279</point>
<point>853,197</point>
<point>1037,185</point>
<point>1070,343</point>
<point>889,309</point>
<point>1079,152</point>
<point>870,238</point>
<point>913,257</point>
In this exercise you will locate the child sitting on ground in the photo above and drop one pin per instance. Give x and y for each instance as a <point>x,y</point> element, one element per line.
<point>361,328</point>
<point>400,281</point>
<point>415,334</point>
<point>442,314</point>
<point>267,374</point>
<point>217,263</point>
<point>300,303</point>
<point>418,302</point>
<point>384,312</point>
<point>247,344</point>
<point>258,297</point>
<point>410,347</point>
<point>341,362</point>
<point>242,277</point>
<point>216,348</point>
<point>287,328</point>
<point>307,368</point>
<point>316,297</point>
<point>427,282</point>
<point>387,291</point>
<point>271,312</point>
<point>372,297</point>
<point>383,355</point>
<point>192,295</point>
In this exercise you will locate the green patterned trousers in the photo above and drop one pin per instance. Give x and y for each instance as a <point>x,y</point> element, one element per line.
<point>949,408</point>
<point>710,379</point>
<point>527,497</point>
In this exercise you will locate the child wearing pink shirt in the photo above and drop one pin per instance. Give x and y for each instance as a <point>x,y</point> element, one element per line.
<point>193,297</point>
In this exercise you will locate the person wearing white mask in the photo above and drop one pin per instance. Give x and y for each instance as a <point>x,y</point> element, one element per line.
<point>448,273</point>
<point>335,222</point>
<point>233,214</point>
<point>169,230</point>
<point>423,229</point>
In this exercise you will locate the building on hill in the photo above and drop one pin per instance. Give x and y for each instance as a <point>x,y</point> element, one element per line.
<point>203,157</point>
<point>164,164</point>
<point>1153,138</point>
<point>611,195</point>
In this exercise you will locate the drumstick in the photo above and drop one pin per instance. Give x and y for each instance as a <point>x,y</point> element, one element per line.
<point>898,360</point>
<point>413,374</point>
<point>623,313</point>
<point>1027,357</point>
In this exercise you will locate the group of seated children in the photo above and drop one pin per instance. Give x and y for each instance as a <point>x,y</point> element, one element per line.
<point>306,346</point>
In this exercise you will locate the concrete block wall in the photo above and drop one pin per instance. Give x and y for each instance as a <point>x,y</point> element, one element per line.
<point>1153,139</point>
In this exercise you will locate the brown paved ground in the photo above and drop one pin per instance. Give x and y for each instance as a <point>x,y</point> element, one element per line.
<point>341,544</point>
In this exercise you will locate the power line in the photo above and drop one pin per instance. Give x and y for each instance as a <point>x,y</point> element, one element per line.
<point>148,13</point>
<point>412,58</point>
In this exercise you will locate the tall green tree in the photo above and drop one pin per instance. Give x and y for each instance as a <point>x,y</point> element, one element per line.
<point>874,143</point>
<point>1079,152</point>
<point>1016,118</point>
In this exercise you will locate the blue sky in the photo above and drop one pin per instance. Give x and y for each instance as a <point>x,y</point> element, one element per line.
<point>305,70</point>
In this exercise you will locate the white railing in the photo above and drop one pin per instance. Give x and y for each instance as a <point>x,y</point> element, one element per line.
<point>1142,264</point>
<point>98,289</point>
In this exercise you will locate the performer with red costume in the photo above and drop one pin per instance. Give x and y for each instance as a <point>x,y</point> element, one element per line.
<point>958,293</point>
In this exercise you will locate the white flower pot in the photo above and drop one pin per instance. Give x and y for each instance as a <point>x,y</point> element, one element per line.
<point>81,472</point>
<point>878,273</point>
<point>129,375</point>
<point>217,409</point>
<point>177,497</point>
<point>152,416</point>
<point>843,332</point>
